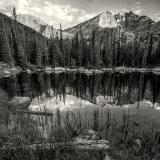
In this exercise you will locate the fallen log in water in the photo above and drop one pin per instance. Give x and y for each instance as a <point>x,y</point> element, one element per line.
<point>85,141</point>
<point>38,113</point>
<point>84,145</point>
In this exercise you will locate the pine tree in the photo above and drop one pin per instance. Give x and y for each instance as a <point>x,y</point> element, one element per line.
<point>61,43</point>
<point>5,49</point>
<point>118,45</point>
<point>93,52</point>
<point>147,45</point>
<point>14,14</point>
<point>18,43</point>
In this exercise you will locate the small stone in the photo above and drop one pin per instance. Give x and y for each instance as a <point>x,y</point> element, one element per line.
<point>48,69</point>
<point>7,73</point>
<point>28,71</point>
<point>4,64</point>
<point>107,157</point>
<point>138,142</point>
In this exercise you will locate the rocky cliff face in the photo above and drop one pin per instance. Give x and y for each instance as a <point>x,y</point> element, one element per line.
<point>36,24</point>
<point>39,25</point>
<point>104,20</point>
<point>130,23</point>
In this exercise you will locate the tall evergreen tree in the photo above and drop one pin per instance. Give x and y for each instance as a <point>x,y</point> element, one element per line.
<point>5,49</point>
<point>14,14</point>
<point>18,43</point>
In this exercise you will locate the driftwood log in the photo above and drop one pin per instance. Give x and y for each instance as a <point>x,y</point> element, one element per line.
<point>82,145</point>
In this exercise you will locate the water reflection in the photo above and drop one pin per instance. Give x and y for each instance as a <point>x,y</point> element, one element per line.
<point>65,91</point>
<point>121,88</point>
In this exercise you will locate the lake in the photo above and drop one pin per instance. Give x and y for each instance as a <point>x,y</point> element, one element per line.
<point>94,100</point>
<point>115,91</point>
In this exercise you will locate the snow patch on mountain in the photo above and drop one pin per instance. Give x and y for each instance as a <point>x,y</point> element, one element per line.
<point>107,20</point>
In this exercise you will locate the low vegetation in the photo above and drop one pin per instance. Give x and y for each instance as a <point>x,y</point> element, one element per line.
<point>127,140</point>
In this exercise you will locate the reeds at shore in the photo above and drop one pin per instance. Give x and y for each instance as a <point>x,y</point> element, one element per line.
<point>127,139</point>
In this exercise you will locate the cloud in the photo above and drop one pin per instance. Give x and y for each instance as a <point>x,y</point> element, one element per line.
<point>6,6</point>
<point>138,8</point>
<point>49,12</point>
<point>156,17</point>
<point>124,10</point>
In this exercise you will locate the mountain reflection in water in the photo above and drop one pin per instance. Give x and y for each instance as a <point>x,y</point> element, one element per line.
<point>79,91</point>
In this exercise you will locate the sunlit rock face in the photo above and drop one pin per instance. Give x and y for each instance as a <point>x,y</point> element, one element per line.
<point>36,24</point>
<point>104,20</point>
<point>31,21</point>
<point>130,23</point>
<point>39,25</point>
<point>107,20</point>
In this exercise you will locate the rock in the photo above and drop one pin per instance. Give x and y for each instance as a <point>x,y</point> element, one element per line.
<point>59,69</point>
<point>48,69</point>
<point>142,70</point>
<point>90,140</point>
<point>107,157</point>
<point>157,69</point>
<point>138,142</point>
<point>89,135</point>
<point>39,70</point>
<point>81,69</point>
<point>4,64</point>
<point>58,72</point>
<point>7,73</point>
<point>91,144</point>
<point>28,71</point>
<point>137,145</point>
<point>19,103</point>
<point>96,71</point>
<point>88,72</point>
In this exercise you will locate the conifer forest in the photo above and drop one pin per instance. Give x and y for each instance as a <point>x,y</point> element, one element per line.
<point>110,47</point>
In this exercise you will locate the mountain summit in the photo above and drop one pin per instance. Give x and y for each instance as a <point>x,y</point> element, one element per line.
<point>107,20</point>
<point>129,22</point>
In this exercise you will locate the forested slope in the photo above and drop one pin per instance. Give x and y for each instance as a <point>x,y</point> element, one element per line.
<point>104,41</point>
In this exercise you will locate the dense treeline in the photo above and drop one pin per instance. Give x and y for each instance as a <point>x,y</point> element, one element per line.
<point>21,45</point>
<point>110,47</point>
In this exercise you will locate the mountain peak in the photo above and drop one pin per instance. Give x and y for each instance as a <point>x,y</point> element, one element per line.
<point>107,20</point>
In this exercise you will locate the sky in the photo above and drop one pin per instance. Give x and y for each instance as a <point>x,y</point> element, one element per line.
<point>72,12</point>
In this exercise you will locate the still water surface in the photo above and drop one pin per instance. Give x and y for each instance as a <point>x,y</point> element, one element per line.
<point>136,93</point>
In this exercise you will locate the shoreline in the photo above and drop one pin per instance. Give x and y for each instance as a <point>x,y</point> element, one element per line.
<point>122,70</point>
<point>10,71</point>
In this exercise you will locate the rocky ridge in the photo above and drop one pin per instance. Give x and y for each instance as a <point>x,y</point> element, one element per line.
<point>130,23</point>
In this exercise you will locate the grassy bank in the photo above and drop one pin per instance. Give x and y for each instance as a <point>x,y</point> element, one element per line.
<point>127,140</point>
